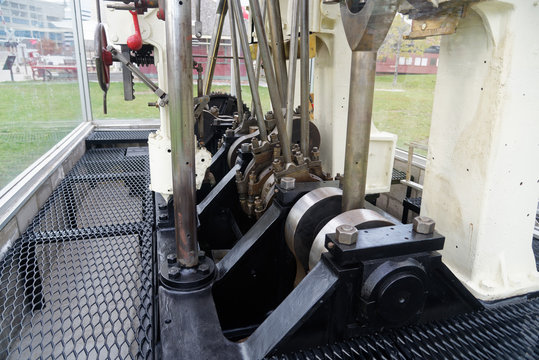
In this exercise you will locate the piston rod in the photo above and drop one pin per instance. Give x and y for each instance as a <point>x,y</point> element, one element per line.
<point>292,61</point>
<point>272,84</point>
<point>236,61</point>
<point>182,121</point>
<point>277,46</point>
<point>304,76</point>
<point>222,9</point>
<point>244,41</point>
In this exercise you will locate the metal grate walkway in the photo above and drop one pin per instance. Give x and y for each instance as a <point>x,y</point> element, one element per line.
<point>78,284</point>
<point>118,136</point>
<point>508,332</point>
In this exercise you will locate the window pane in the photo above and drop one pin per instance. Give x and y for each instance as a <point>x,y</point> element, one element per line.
<point>39,97</point>
<point>404,90</point>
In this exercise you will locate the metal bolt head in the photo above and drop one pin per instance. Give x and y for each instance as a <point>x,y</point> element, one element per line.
<point>204,268</point>
<point>171,258</point>
<point>346,234</point>
<point>269,115</point>
<point>229,133</point>
<point>245,147</point>
<point>288,183</point>
<point>423,225</point>
<point>201,254</point>
<point>174,273</point>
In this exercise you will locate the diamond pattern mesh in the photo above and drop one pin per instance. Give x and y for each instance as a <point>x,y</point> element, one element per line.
<point>116,136</point>
<point>78,283</point>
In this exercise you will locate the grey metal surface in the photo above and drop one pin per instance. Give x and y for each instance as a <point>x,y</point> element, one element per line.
<point>118,136</point>
<point>306,214</point>
<point>182,128</point>
<point>78,284</point>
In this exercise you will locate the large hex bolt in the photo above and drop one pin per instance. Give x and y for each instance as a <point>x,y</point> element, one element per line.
<point>245,147</point>
<point>423,225</point>
<point>288,183</point>
<point>347,234</point>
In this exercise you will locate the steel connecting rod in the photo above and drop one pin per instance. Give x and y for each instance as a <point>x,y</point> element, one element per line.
<point>244,41</point>
<point>292,61</point>
<point>235,58</point>
<point>366,25</point>
<point>305,88</point>
<point>222,9</point>
<point>258,61</point>
<point>182,121</point>
<point>277,46</point>
<point>270,78</point>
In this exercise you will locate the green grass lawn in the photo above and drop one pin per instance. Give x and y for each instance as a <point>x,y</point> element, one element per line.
<point>36,115</point>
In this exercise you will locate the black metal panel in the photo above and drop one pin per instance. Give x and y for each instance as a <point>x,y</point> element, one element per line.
<point>79,282</point>
<point>508,332</point>
<point>118,136</point>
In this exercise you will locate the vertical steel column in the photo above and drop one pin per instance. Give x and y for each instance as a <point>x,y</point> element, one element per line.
<point>270,78</point>
<point>235,59</point>
<point>292,61</point>
<point>180,95</point>
<point>222,9</point>
<point>359,129</point>
<point>305,88</point>
<point>277,46</point>
<point>244,41</point>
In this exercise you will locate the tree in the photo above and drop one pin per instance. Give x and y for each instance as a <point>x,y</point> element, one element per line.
<point>48,47</point>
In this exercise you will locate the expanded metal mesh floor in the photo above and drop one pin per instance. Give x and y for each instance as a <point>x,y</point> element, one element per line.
<point>78,283</point>
<point>508,332</point>
<point>118,136</point>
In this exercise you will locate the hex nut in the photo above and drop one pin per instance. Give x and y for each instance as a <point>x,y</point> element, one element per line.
<point>288,183</point>
<point>245,147</point>
<point>174,273</point>
<point>171,259</point>
<point>423,225</point>
<point>204,269</point>
<point>346,234</point>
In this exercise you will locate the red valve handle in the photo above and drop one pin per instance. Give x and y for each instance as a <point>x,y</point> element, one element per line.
<point>134,42</point>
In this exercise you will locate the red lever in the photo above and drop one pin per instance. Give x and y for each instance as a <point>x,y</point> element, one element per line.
<point>135,41</point>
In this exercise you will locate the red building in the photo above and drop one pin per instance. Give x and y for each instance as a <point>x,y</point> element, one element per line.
<point>425,63</point>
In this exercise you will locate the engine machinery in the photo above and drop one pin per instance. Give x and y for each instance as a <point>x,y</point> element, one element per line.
<point>261,248</point>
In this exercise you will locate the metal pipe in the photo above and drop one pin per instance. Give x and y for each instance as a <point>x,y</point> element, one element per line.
<point>244,42</point>
<point>237,76</point>
<point>182,121</point>
<point>277,46</point>
<point>304,66</point>
<point>359,129</point>
<point>292,61</point>
<point>270,78</point>
<point>222,9</point>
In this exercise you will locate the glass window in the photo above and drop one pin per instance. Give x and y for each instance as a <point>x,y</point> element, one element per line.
<point>33,96</point>
<point>404,95</point>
